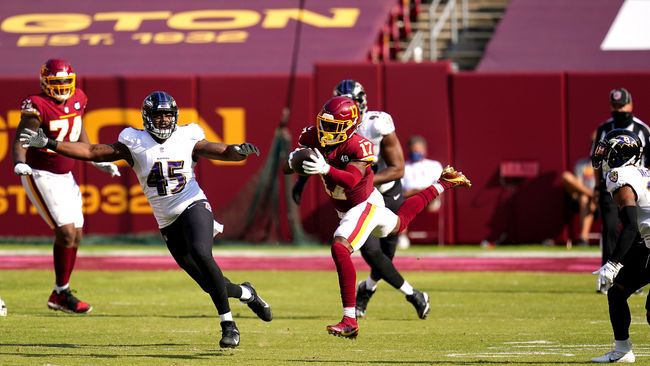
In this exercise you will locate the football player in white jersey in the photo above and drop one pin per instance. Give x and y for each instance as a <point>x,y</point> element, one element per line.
<point>628,269</point>
<point>378,128</point>
<point>163,156</point>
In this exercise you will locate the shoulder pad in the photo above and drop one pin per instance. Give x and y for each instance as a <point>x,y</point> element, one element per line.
<point>129,136</point>
<point>194,131</point>
<point>382,122</point>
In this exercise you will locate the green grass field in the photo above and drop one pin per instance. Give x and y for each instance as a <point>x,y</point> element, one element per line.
<point>162,318</point>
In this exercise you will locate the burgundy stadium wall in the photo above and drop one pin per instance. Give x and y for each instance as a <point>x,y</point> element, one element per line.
<point>473,121</point>
<point>501,118</point>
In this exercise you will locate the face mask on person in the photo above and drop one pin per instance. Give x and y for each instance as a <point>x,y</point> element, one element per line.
<point>621,119</point>
<point>416,156</point>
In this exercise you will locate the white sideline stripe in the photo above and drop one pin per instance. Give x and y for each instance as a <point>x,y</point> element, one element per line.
<point>507,354</point>
<point>531,342</point>
<point>543,348</point>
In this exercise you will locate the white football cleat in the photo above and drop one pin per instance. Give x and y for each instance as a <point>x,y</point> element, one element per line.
<point>615,356</point>
<point>3,308</point>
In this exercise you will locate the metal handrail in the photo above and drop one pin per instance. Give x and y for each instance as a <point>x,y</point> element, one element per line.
<point>435,28</point>
<point>415,48</point>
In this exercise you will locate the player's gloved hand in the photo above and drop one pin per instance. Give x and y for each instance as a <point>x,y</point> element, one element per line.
<point>30,138</point>
<point>317,165</point>
<point>608,272</point>
<point>296,192</point>
<point>108,168</point>
<point>22,169</point>
<point>247,148</point>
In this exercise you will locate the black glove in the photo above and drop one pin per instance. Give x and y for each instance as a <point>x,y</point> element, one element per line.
<point>296,192</point>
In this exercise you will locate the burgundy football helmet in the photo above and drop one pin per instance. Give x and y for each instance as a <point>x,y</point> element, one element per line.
<point>58,79</point>
<point>337,121</point>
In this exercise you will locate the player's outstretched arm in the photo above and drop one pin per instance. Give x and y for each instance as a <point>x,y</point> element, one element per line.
<point>76,150</point>
<point>221,151</point>
<point>391,152</point>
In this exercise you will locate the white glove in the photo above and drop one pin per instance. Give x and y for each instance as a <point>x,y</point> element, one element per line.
<point>22,169</point>
<point>608,272</point>
<point>108,168</point>
<point>317,165</point>
<point>31,138</point>
<point>247,148</point>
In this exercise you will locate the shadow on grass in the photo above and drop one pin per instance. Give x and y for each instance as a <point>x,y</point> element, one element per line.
<point>69,345</point>
<point>236,316</point>
<point>25,352</point>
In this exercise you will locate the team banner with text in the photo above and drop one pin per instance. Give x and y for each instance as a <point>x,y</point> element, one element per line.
<point>121,37</point>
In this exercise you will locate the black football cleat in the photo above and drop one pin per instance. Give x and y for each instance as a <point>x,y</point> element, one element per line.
<point>229,335</point>
<point>257,304</point>
<point>363,297</point>
<point>420,301</point>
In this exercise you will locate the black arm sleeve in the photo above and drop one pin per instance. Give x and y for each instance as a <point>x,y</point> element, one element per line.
<point>646,149</point>
<point>628,234</point>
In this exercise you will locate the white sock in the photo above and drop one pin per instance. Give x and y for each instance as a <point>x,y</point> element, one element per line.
<point>227,317</point>
<point>406,288</point>
<point>371,284</point>
<point>246,294</point>
<point>623,346</point>
<point>349,312</point>
<point>62,288</point>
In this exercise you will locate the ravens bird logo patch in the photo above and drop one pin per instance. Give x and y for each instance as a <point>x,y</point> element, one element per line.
<point>613,176</point>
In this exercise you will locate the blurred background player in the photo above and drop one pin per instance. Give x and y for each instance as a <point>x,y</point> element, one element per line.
<point>163,157</point>
<point>343,159</point>
<point>378,128</point>
<point>620,101</point>
<point>419,172</point>
<point>46,176</point>
<point>619,154</point>
<point>579,185</point>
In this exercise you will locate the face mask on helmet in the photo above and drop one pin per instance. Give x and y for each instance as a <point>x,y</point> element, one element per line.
<point>618,148</point>
<point>621,119</point>
<point>58,79</point>
<point>354,90</point>
<point>337,121</point>
<point>160,114</point>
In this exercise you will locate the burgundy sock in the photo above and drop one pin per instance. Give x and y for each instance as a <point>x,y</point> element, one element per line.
<point>415,204</point>
<point>346,272</point>
<point>64,259</point>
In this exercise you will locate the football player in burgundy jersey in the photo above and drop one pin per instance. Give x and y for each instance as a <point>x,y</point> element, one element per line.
<point>343,160</point>
<point>378,128</point>
<point>46,176</point>
<point>163,156</point>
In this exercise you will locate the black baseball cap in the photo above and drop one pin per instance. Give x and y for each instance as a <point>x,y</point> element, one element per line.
<point>620,97</point>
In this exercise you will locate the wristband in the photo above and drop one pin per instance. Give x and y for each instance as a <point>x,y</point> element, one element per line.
<point>18,162</point>
<point>51,144</point>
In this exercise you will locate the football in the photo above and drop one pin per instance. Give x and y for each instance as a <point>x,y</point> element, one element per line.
<point>298,157</point>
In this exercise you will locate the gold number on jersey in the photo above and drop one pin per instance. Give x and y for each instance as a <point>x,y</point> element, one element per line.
<point>367,148</point>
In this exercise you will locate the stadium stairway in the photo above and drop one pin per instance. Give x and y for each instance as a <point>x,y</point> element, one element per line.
<point>484,15</point>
